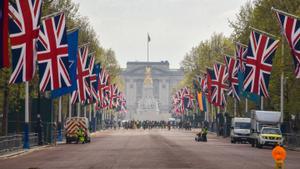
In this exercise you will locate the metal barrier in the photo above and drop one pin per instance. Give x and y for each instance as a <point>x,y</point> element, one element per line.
<point>10,143</point>
<point>15,142</point>
<point>291,141</point>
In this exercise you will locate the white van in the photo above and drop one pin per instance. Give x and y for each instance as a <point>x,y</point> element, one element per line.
<point>240,129</point>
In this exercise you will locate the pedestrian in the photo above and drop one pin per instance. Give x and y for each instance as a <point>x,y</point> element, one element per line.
<point>39,129</point>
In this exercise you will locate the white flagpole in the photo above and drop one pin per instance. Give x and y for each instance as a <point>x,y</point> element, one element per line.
<point>26,144</point>
<point>59,119</point>
<point>78,109</point>
<point>246,105</point>
<point>59,109</point>
<point>90,113</point>
<point>282,79</point>
<point>234,107</point>
<point>261,103</point>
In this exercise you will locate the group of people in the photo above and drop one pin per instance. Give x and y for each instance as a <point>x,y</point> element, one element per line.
<point>147,124</point>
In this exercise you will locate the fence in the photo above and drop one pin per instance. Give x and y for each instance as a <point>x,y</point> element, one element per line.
<point>292,141</point>
<point>15,142</point>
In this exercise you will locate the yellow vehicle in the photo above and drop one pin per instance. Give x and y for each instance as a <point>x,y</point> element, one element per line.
<point>265,128</point>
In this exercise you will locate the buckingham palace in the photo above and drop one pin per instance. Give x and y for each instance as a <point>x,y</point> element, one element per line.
<point>148,89</point>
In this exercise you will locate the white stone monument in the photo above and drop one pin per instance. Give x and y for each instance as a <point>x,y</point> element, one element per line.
<point>147,108</point>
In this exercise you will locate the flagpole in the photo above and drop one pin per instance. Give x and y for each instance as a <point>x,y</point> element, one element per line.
<point>90,114</point>
<point>147,49</point>
<point>59,119</point>
<point>234,107</point>
<point>26,144</point>
<point>78,109</point>
<point>84,111</point>
<point>246,105</point>
<point>94,118</point>
<point>282,79</point>
<point>261,103</point>
<point>70,107</point>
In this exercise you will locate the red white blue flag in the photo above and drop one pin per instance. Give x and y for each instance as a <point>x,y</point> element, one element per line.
<point>52,54</point>
<point>94,79</point>
<point>291,29</point>
<point>103,88</point>
<point>4,58</point>
<point>23,33</point>
<point>83,77</point>
<point>240,54</point>
<point>219,85</point>
<point>261,50</point>
<point>233,69</point>
<point>113,96</point>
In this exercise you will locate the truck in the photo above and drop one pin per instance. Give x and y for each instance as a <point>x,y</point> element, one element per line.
<point>265,128</point>
<point>240,129</point>
<point>72,125</point>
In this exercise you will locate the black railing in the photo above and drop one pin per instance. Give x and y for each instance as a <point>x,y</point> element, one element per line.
<point>15,142</point>
<point>291,140</point>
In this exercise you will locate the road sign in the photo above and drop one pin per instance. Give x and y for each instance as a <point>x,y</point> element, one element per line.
<point>279,155</point>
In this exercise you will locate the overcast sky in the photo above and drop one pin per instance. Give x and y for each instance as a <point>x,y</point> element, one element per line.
<point>175,26</point>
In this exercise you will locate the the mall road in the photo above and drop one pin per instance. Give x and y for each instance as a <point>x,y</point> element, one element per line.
<point>124,149</point>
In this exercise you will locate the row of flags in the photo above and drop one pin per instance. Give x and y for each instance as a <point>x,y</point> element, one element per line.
<point>183,99</point>
<point>248,72</point>
<point>64,67</point>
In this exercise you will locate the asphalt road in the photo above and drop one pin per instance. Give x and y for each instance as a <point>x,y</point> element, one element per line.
<point>124,149</point>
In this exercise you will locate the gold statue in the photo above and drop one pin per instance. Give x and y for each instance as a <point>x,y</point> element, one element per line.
<point>148,76</point>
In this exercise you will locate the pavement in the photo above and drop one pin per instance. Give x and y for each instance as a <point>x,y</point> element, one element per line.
<point>138,149</point>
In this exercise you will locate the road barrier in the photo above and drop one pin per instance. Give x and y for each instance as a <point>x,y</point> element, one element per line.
<point>292,141</point>
<point>15,142</point>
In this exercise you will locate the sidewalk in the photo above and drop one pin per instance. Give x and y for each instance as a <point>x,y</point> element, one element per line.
<point>23,151</point>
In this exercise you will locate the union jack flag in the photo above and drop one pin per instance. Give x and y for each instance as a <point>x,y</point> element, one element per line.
<point>83,76</point>
<point>219,85</point>
<point>113,96</point>
<point>94,74</point>
<point>259,63</point>
<point>291,29</point>
<point>188,99</point>
<point>103,88</point>
<point>122,103</point>
<point>233,69</point>
<point>52,54</point>
<point>24,30</point>
<point>209,74</point>
<point>203,83</point>
<point>240,54</point>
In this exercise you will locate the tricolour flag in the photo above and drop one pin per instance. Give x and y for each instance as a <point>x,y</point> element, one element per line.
<point>261,50</point>
<point>23,33</point>
<point>72,54</point>
<point>290,26</point>
<point>52,54</point>
<point>4,58</point>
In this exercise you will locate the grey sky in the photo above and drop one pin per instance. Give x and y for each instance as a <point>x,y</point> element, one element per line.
<point>175,26</point>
